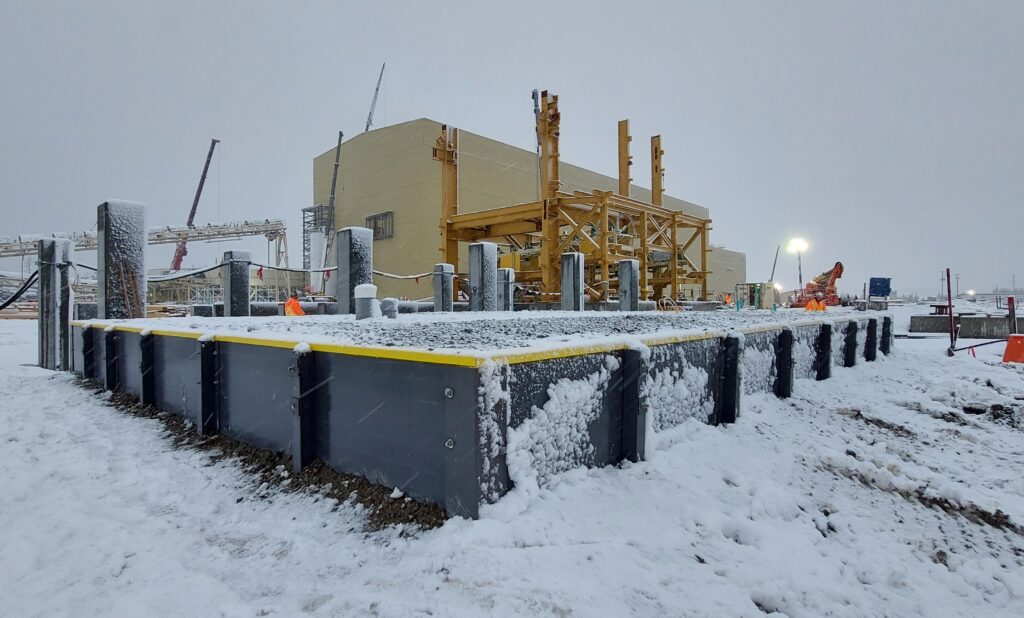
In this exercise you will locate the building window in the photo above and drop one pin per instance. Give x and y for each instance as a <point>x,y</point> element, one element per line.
<point>383,225</point>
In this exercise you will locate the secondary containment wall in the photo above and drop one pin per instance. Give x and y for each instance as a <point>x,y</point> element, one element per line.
<point>460,430</point>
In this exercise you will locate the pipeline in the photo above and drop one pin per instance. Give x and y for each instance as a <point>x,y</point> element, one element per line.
<point>24,287</point>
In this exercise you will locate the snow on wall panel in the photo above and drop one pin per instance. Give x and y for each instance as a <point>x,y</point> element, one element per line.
<point>678,383</point>
<point>803,351</point>
<point>493,402</point>
<point>556,436</point>
<point>839,344</point>
<point>564,413</point>
<point>758,370</point>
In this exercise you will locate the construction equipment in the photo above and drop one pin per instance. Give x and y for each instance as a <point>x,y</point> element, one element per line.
<point>373,103</point>
<point>180,252</point>
<point>824,284</point>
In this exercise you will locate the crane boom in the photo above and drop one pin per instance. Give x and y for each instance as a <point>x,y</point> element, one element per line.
<point>180,251</point>
<point>373,104</point>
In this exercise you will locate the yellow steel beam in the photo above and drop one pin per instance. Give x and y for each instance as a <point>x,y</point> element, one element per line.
<point>492,216</point>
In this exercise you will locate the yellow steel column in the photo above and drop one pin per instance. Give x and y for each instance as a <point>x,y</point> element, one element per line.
<point>674,264</point>
<point>657,171</point>
<point>625,159</point>
<point>704,261</point>
<point>548,122</point>
<point>447,152</point>
<point>645,290</point>
<point>605,248</point>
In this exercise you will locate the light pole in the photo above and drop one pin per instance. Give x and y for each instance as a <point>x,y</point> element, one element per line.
<point>798,246</point>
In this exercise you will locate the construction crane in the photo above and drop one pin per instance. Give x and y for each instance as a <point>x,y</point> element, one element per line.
<point>373,103</point>
<point>824,284</point>
<point>180,252</point>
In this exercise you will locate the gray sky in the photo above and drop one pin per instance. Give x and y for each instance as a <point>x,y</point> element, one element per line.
<point>889,135</point>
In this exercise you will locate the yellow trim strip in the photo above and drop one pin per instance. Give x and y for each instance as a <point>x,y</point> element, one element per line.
<point>421,356</point>
<point>177,333</point>
<point>267,343</point>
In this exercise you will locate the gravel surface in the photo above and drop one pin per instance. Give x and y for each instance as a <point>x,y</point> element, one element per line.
<point>482,332</point>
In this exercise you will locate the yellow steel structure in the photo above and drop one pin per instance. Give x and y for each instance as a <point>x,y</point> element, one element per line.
<point>605,226</point>
<point>625,159</point>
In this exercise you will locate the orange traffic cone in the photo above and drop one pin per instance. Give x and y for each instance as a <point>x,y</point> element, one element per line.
<point>1014,349</point>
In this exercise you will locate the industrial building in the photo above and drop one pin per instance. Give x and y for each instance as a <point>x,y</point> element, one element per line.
<point>392,181</point>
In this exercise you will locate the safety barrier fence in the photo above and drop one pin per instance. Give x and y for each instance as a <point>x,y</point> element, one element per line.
<point>437,425</point>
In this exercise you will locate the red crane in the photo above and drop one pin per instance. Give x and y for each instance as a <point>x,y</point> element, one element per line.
<point>824,284</point>
<point>180,251</point>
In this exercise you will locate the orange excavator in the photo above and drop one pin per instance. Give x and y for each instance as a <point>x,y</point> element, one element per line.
<point>824,284</point>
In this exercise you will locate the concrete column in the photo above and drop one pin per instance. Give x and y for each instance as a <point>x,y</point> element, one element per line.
<point>629,285</point>
<point>355,265</point>
<point>572,282</point>
<point>235,275</point>
<point>483,275</point>
<point>506,289</point>
<point>121,260</point>
<point>444,276</point>
<point>55,303</point>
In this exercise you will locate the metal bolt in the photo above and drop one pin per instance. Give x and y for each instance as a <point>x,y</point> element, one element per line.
<point>449,392</point>
<point>449,443</point>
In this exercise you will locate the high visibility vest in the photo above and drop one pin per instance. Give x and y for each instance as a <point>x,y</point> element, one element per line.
<point>812,305</point>
<point>821,305</point>
<point>292,307</point>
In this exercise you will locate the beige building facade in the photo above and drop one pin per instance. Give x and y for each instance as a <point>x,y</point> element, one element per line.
<point>388,178</point>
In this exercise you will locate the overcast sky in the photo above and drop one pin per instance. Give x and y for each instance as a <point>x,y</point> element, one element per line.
<point>890,135</point>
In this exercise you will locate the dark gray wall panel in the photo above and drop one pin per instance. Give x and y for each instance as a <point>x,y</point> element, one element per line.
<point>254,386</point>
<point>176,363</point>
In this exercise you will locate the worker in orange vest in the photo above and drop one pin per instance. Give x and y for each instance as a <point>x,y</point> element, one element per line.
<point>292,306</point>
<point>820,306</point>
<point>812,305</point>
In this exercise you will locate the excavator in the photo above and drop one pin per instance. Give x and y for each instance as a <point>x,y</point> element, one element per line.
<point>824,284</point>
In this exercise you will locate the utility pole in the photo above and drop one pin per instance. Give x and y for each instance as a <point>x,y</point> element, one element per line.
<point>958,284</point>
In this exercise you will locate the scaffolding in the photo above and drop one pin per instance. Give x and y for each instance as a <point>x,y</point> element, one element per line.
<point>603,225</point>
<point>315,219</point>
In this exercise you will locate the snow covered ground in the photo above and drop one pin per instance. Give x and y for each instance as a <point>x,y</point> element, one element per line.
<point>872,493</point>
